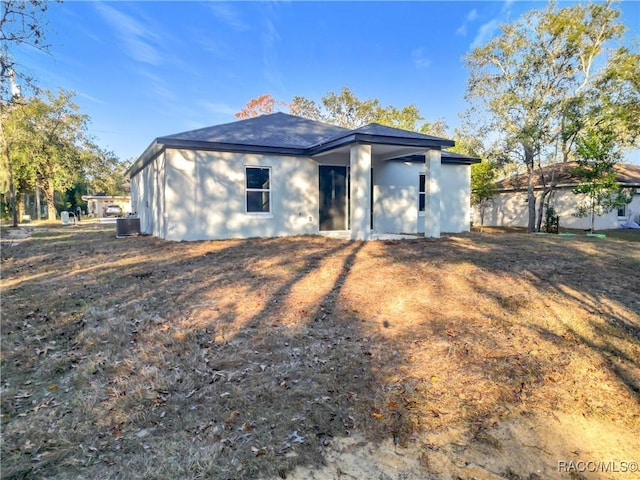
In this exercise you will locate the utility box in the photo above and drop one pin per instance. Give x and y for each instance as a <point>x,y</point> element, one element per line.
<point>127,227</point>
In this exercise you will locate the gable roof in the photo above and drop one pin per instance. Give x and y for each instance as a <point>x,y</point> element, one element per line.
<point>284,134</point>
<point>563,175</point>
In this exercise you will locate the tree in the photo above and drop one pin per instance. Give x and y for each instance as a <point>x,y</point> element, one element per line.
<point>21,23</point>
<point>483,187</point>
<point>597,158</point>
<point>104,172</point>
<point>303,107</point>
<point>543,81</point>
<point>262,105</point>
<point>345,109</point>
<point>46,140</point>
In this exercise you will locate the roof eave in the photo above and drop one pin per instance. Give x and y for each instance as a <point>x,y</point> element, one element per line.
<point>458,160</point>
<point>151,152</point>
<point>229,147</point>
<point>461,161</point>
<point>379,140</point>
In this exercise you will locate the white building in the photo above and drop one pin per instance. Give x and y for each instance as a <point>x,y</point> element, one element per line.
<point>510,209</point>
<point>279,174</point>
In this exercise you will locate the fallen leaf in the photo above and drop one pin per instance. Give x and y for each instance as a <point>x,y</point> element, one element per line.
<point>295,438</point>
<point>377,415</point>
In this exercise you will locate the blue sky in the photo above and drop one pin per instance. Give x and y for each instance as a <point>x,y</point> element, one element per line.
<point>147,69</point>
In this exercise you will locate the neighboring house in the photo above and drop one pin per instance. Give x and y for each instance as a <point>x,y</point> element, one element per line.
<point>510,209</point>
<point>278,174</point>
<point>96,204</point>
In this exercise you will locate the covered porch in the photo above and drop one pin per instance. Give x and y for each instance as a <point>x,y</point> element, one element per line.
<point>372,188</point>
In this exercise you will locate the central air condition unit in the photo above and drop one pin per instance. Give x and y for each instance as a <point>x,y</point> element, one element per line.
<point>127,227</point>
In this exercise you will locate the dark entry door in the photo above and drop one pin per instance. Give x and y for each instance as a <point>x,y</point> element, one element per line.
<point>334,191</point>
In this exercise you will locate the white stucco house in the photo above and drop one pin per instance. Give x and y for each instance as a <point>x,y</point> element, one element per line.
<point>509,206</point>
<point>279,174</point>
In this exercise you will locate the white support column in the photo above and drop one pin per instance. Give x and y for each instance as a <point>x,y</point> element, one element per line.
<point>432,160</point>
<point>360,179</point>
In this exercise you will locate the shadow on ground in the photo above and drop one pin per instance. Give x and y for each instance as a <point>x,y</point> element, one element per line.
<point>249,358</point>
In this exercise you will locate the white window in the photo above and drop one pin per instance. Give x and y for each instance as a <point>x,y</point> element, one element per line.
<point>421,193</point>
<point>258,189</point>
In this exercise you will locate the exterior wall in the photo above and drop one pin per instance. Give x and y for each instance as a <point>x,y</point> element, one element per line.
<point>396,190</point>
<point>509,209</point>
<point>147,197</point>
<point>455,202</point>
<point>205,196</point>
<point>395,194</point>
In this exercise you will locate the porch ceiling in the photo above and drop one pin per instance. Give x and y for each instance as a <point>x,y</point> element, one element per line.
<point>340,155</point>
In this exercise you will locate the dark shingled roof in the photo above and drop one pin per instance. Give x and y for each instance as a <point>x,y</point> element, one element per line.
<point>384,131</point>
<point>562,174</point>
<point>278,130</point>
<point>294,135</point>
<point>284,134</point>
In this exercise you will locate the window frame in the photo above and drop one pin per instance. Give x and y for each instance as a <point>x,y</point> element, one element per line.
<point>622,209</point>
<point>248,189</point>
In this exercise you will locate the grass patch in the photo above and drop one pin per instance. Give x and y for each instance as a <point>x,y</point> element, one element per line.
<point>252,358</point>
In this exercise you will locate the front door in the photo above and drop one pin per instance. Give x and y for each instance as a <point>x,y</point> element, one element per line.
<point>334,196</point>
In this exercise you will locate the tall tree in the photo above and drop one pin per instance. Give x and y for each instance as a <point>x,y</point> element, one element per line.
<point>46,144</point>
<point>22,22</point>
<point>483,187</point>
<point>104,172</point>
<point>262,105</point>
<point>597,157</point>
<point>540,83</point>
<point>347,110</point>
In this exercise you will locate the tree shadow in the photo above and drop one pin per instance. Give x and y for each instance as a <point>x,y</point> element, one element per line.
<point>246,358</point>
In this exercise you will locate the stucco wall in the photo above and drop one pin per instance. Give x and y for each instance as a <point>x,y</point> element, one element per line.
<point>455,213</point>
<point>396,189</point>
<point>205,196</point>
<point>509,209</point>
<point>395,193</point>
<point>147,197</point>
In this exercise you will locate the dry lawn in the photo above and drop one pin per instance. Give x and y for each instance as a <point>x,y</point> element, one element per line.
<point>479,356</point>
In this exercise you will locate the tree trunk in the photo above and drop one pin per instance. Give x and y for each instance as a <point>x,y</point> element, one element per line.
<point>12,188</point>
<point>38,209</point>
<point>531,196</point>
<point>14,203</point>
<point>51,206</point>
<point>20,206</point>
<point>544,195</point>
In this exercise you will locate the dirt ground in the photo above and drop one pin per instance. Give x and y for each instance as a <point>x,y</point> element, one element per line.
<point>475,356</point>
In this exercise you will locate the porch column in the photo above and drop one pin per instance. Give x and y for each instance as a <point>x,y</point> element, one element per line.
<point>432,167</point>
<point>360,180</point>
